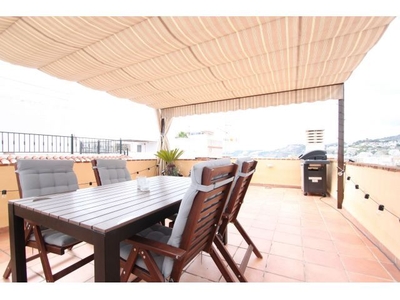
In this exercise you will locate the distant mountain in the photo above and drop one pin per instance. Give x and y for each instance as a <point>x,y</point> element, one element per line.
<point>379,140</point>
<point>386,146</point>
<point>293,150</point>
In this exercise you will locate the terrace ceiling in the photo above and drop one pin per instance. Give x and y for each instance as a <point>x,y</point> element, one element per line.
<point>187,65</point>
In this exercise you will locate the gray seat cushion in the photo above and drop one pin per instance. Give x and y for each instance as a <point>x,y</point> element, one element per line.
<point>56,238</point>
<point>156,232</point>
<point>112,171</point>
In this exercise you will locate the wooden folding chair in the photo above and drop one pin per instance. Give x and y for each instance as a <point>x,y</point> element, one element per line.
<point>108,171</point>
<point>40,178</point>
<point>160,253</point>
<point>246,169</point>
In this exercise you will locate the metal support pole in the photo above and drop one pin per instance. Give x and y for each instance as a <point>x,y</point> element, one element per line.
<point>340,158</point>
<point>120,146</point>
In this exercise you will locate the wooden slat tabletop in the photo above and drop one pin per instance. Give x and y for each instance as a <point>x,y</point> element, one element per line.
<point>105,207</point>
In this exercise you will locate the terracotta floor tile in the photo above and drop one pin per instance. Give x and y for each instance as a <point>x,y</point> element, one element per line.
<point>348,238</point>
<point>91,280</point>
<point>290,213</point>
<point>265,234</point>
<point>318,244</point>
<point>365,239</point>
<point>231,249</point>
<point>270,277</point>
<point>288,228</point>
<point>379,255</point>
<point>288,238</point>
<point>204,267</point>
<point>340,226</point>
<point>260,215</point>
<point>323,258</point>
<point>358,251</point>
<point>319,273</point>
<point>290,221</point>
<point>187,277</point>
<point>257,262</point>
<point>84,274</point>
<point>308,207</point>
<point>330,211</point>
<point>269,224</point>
<point>312,223</point>
<point>234,239</point>
<point>4,257</point>
<point>4,243</point>
<point>286,267</point>
<point>311,217</point>
<point>287,250</point>
<point>3,266</point>
<point>254,275</point>
<point>233,229</point>
<point>319,233</point>
<point>393,270</point>
<point>247,218</point>
<point>357,277</point>
<point>262,245</point>
<point>365,266</point>
<point>270,208</point>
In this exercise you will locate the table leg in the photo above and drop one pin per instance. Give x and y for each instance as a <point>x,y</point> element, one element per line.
<point>106,258</point>
<point>17,246</point>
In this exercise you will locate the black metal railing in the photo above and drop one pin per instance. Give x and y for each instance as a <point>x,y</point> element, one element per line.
<point>17,142</point>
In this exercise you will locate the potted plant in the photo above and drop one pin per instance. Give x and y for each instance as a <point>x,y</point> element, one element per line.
<point>169,157</point>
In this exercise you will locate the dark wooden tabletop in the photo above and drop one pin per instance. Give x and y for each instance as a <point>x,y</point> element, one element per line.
<point>106,207</point>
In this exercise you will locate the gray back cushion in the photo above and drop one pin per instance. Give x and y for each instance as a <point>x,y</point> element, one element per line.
<point>239,162</point>
<point>112,171</point>
<point>45,177</point>
<point>186,205</point>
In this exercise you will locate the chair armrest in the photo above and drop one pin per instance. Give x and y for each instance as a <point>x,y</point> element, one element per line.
<point>156,247</point>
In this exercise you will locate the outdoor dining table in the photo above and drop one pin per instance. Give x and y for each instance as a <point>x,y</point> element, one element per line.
<point>102,216</point>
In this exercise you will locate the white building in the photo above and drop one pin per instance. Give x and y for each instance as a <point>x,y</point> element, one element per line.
<point>199,144</point>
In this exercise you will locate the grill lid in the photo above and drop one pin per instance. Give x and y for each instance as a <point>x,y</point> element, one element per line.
<point>314,155</point>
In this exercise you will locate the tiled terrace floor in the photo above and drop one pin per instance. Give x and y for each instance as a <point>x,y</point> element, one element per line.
<point>302,239</point>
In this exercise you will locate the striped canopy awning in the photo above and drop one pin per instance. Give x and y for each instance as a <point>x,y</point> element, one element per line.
<point>191,65</point>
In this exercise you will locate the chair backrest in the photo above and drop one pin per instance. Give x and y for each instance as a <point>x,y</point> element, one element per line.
<point>246,169</point>
<point>109,171</point>
<point>200,211</point>
<point>45,177</point>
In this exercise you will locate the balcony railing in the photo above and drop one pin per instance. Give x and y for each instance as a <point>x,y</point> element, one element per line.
<point>17,142</point>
